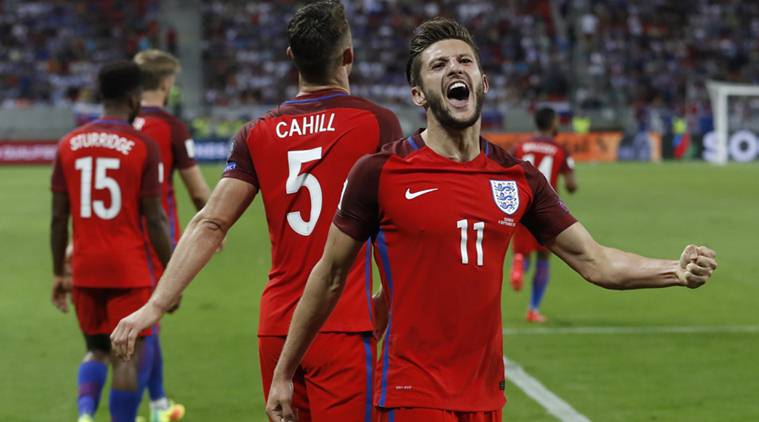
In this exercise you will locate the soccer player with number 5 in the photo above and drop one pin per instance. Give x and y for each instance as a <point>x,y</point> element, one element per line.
<point>441,207</point>
<point>106,178</point>
<point>298,156</point>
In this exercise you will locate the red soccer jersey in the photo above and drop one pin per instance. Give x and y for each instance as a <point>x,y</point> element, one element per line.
<point>298,156</point>
<point>177,151</point>
<point>547,156</point>
<point>440,230</point>
<point>106,167</point>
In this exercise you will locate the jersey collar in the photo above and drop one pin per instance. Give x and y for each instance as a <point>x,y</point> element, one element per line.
<point>416,142</point>
<point>111,120</point>
<point>542,138</point>
<point>320,95</point>
<point>150,109</point>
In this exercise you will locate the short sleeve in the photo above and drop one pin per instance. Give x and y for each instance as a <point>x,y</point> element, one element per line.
<point>58,179</point>
<point>390,127</point>
<point>358,212</point>
<point>240,162</point>
<point>547,216</point>
<point>182,145</point>
<point>151,173</point>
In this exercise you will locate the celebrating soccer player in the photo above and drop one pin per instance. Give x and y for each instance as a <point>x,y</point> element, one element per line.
<point>106,177</point>
<point>160,70</point>
<point>551,159</point>
<point>298,156</point>
<point>440,207</point>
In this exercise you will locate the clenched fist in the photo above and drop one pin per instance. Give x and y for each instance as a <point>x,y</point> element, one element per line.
<point>697,263</point>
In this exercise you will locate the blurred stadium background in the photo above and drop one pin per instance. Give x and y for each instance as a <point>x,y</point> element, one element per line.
<point>631,81</point>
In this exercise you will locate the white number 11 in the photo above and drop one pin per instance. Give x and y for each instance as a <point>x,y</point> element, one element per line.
<point>479,227</point>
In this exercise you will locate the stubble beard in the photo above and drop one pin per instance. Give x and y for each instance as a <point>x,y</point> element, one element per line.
<point>436,104</point>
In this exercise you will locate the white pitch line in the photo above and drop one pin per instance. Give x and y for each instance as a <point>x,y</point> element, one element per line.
<point>693,329</point>
<point>538,392</point>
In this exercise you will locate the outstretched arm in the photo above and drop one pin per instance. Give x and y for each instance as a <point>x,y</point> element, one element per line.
<point>615,269</point>
<point>322,291</point>
<point>200,240</point>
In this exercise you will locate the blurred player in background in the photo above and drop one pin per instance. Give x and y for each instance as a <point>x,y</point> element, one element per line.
<point>106,177</point>
<point>298,156</point>
<point>177,149</point>
<point>551,159</point>
<point>441,207</point>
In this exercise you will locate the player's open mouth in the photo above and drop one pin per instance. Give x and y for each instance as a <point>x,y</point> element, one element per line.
<point>458,94</point>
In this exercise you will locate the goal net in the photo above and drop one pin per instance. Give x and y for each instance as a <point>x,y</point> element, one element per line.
<point>735,109</point>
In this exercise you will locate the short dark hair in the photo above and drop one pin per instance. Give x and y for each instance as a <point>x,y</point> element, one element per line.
<point>430,32</point>
<point>314,36</point>
<point>544,118</point>
<point>119,80</point>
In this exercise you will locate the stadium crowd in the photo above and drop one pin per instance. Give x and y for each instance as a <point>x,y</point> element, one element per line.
<point>652,56</point>
<point>50,50</point>
<point>245,60</point>
<point>657,55</point>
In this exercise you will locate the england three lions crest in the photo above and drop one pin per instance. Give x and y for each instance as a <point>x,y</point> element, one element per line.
<point>506,195</point>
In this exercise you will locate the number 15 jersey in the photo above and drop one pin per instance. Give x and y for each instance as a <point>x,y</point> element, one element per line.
<point>106,167</point>
<point>299,156</point>
<point>440,230</point>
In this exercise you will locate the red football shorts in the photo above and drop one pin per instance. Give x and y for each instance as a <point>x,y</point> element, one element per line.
<point>100,310</point>
<point>412,414</point>
<point>525,243</point>
<point>333,382</point>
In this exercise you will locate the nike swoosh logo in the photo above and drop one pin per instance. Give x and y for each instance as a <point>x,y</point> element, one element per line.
<point>412,195</point>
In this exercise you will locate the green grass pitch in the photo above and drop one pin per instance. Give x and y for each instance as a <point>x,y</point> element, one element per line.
<point>210,344</point>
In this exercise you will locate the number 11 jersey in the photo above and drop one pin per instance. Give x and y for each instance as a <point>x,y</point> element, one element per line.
<point>440,230</point>
<point>299,156</point>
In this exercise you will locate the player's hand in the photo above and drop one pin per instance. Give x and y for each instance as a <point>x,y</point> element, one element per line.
<point>697,263</point>
<point>279,406</point>
<point>125,335</point>
<point>61,290</point>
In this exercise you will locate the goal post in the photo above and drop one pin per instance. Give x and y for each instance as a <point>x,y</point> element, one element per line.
<point>727,115</point>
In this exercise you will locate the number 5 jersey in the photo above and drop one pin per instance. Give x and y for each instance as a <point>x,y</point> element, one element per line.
<point>298,156</point>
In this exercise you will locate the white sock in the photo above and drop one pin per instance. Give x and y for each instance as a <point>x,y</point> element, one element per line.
<point>160,404</point>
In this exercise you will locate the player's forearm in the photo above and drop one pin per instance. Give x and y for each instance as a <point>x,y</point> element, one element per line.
<point>158,231</point>
<point>196,186</point>
<point>59,231</point>
<point>323,289</point>
<point>612,268</point>
<point>199,195</point>
<point>570,183</point>
<point>621,270</point>
<point>196,247</point>
<point>59,235</point>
